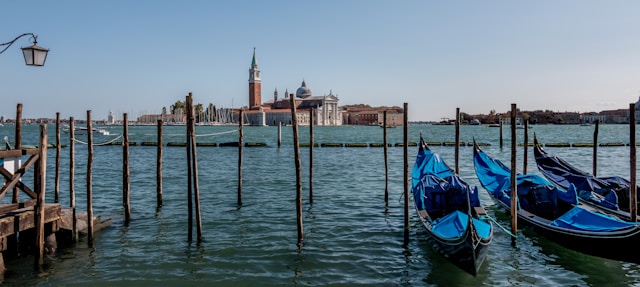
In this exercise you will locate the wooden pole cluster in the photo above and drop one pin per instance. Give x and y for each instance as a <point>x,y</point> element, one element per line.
<point>311,143</point>
<point>457,148</point>
<point>40,187</point>
<point>406,175</point>
<point>633,188</point>
<point>89,179</point>
<point>192,169</point>
<point>298,163</point>
<point>240,143</point>
<point>386,161</point>
<point>159,167</point>
<point>126,182</point>
<point>514,186</point>
<point>56,198</point>
<point>595,148</point>
<point>72,191</point>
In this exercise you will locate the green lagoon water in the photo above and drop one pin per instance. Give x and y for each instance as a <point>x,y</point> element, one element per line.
<point>350,238</point>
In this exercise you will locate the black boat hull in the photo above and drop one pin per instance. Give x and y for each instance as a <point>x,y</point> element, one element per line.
<point>621,245</point>
<point>468,251</point>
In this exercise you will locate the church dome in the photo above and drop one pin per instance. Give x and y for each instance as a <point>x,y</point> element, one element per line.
<point>303,91</point>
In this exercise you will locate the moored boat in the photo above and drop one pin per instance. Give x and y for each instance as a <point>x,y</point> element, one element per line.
<point>558,214</point>
<point>610,193</point>
<point>450,211</point>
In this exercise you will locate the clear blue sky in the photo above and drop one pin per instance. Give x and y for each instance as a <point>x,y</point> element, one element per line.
<point>139,56</point>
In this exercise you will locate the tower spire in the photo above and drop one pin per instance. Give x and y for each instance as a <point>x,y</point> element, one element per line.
<point>254,62</point>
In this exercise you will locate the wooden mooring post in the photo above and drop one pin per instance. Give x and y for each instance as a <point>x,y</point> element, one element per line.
<point>633,188</point>
<point>298,164</point>
<point>56,188</point>
<point>514,186</point>
<point>501,139</point>
<point>72,191</point>
<point>457,148</point>
<point>18,137</point>
<point>240,140</point>
<point>279,134</point>
<point>40,188</point>
<point>193,167</point>
<point>159,167</point>
<point>311,156</point>
<point>18,145</point>
<point>126,183</point>
<point>386,160</point>
<point>189,176</point>
<point>526,147</point>
<point>595,148</point>
<point>406,174</point>
<point>89,179</point>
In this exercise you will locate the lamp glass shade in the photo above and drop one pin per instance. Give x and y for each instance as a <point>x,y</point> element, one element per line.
<point>35,55</point>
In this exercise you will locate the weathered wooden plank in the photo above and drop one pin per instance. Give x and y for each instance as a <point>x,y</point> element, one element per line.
<point>9,207</point>
<point>18,152</point>
<point>23,219</point>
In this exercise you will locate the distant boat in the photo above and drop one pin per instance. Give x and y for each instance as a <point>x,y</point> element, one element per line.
<point>494,125</point>
<point>83,131</point>
<point>388,126</point>
<point>475,122</point>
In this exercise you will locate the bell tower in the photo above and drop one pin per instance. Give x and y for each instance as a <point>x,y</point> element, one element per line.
<point>255,97</point>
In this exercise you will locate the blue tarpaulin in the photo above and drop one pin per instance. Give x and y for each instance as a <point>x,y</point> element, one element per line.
<point>579,218</point>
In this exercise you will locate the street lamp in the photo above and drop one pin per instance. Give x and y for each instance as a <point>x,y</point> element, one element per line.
<point>34,55</point>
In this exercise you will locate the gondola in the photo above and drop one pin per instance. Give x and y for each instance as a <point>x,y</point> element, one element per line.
<point>609,193</point>
<point>558,214</point>
<point>450,211</point>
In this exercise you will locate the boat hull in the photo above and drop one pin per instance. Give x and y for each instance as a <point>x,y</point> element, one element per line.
<point>623,245</point>
<point>467,251</point>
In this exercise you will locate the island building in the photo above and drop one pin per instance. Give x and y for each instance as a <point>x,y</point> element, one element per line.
<point>277,110</point>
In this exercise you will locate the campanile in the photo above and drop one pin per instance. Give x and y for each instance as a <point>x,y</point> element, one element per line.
<point>255,94</point>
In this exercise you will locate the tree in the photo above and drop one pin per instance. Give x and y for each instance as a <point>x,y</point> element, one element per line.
<point>211,112</point>
<point>199,109</point>
<point>178,108</point>
<point>464,117</point>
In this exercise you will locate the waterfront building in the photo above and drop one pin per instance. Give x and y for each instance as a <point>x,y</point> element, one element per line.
<point>369,116</point>
<point>326,111</point>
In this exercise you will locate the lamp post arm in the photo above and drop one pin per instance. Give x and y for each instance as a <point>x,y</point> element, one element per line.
<point>8,44</point>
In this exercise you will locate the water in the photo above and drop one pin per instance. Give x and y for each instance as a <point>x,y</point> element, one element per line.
<point>350,238</point>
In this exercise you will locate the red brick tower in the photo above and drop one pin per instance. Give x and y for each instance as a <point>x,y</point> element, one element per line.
<point>255,94</point>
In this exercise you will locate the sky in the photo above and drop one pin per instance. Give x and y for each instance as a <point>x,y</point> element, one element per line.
<point>137,57</point>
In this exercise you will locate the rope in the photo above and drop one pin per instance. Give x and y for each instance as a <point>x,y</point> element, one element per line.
<point>220,133</point>
<point>99,144</point>
<point>204,135</point>
<point>498,224</point>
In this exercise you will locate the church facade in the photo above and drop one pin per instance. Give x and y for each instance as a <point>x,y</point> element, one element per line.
<point>277,111</point>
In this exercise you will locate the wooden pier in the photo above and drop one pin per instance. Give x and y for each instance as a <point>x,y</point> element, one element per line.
<point>32,218</point>
<point>29,224</point>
